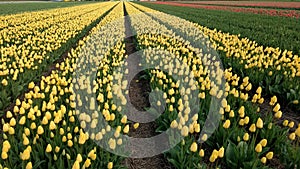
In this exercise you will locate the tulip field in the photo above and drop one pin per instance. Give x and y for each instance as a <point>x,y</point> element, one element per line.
<point>229,89</point>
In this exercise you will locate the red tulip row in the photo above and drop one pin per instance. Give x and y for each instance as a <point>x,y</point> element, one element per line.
<point>271,12</point>
<point>250,4</point>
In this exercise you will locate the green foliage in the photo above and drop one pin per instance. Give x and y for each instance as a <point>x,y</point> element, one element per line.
<point>271,31</point>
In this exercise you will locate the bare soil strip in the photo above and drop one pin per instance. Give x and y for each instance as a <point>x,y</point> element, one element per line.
<point>139,97</point>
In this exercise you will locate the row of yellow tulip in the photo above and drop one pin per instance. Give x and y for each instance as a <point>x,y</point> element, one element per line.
<point>59,120</point>
<point>250,124</point>
<point>28,17</point>
<point>25,44</point>
<point>45,125</point>
<point>234,79</point>
<point>277,69</point>
<point>251,55</point>
<point>28,49</point>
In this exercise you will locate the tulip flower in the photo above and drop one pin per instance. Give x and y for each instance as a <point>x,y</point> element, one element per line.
<point>252,128</point>
<point>29,165</point>
<point>259,123</point>
<point>263,142</point>
<point>184,131</point>
<point>258,148</point>
<point>49,148</point>
<point>136,125</point>
<point>226,125</point>
<point>263,160</point>
<point>201,153</point>
<point>4,82</point>
<point>110,165</point>
<point>194,147</point>
<point>269,155</point>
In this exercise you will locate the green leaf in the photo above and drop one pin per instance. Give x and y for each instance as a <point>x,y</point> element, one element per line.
<point>231,155</point>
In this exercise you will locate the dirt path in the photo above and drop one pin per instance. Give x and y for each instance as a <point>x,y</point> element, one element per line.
<point>139,98</point>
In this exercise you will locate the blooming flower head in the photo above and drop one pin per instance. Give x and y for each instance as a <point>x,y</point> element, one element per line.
<point>226,125</point>
<point>258,148</point>
<point>194,147</point>
<point>110,165</point>
<point>259,123</point>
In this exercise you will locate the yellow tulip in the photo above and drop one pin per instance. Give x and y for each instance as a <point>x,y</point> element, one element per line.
<point>26,154</point>
<point>48,148</point>
<point>31,85</point>
<point>204,137</point>
<point>124,119</point>
<point>201,153</point>
<point>52,125</point>
<point>258,148</point>
<point>285,123</point>
<point>120,141</point>
<point>194,147</point>
<point>82,137</point>
<point>292,136</point>
<point>136,125</point>
<point>25,140</point>
<point>246,137</point>
<point>184,131</point>
<point>273,101</point>
<point>112,144</point>
<point>6,146</point>
<point>269,155</point>
<point>70,143</point>
<point>4,155</point>
<point>11,131</point>
<point>295,101</point>
<point>40,130</point>
<point>174,124</point>
<point>226,125</point>
<point>278,114</point>
<point>246,120</point>
<point>92,155</point>
<point>221,152</point>
<point>213,156</point>
<point>87,163</point>
<point>252,128</point>
<point>231,113</point>
<point>110,165</point>
<point>9,114</point>
<point>57,149</point>
<point>261,101</point>
<point>4,82</point>
<point>258,90</point>
<point>5,127</point>
<point>259,123</point>
<point>76,165</point>
<point>276,108</point>
<point>29,165</point>
<point>197,128</point>
<point>79,158</point>
<point>297,132</point>
<point>264,142</point>
<point>263,160</point>
<point>126,129</point>
<point>291,124</point>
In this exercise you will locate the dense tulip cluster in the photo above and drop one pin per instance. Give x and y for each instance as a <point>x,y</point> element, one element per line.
<point>64,117</point>
<point>45,125</point>
<point>241,111</point>
<point>28,47</point>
